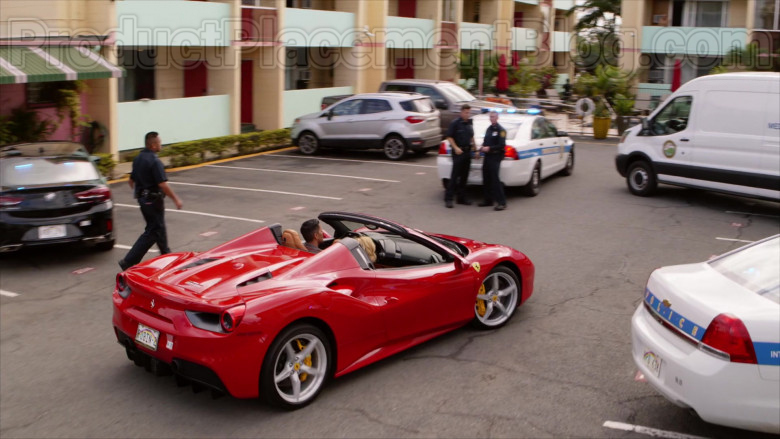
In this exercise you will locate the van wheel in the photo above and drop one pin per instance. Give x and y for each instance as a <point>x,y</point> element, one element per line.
<point>394,147</point>
<point>308,143</point>
<point>641,179</point>
<point>535,184</point>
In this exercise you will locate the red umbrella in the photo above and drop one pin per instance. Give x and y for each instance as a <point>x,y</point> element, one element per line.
<point>502,82</point>
<point>515,58</point>
<point>676,75</point>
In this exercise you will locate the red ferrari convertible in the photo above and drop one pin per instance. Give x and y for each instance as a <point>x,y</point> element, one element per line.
<point>253,317</point>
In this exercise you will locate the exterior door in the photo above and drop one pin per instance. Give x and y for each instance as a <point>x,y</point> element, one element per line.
<point>672,138</point>
<point>407,8</point>
<point>559,142</point>
<point>247,93</point>
<point>339,129</point>
<point>404,68</point>
<point>195,79</point>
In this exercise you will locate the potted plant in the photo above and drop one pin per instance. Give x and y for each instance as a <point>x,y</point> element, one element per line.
<point>624,108</point>
<point>601,120</point>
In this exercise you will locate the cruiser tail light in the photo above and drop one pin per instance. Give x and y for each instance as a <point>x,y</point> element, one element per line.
<point>231,318</point>
<point>510,153</point>
<point>443,148</point>
<point>98,194</point>
<point>727,337</point>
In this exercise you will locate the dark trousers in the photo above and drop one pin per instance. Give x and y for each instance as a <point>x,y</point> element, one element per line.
<point>491,183</point>
<point>461,164</point>
<point>155,233</point>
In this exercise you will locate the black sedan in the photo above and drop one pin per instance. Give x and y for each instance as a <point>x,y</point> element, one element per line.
<point>52,193</point>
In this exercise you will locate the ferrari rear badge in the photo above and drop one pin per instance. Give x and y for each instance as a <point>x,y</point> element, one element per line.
<point>475,266</point>
<point>152,303</point>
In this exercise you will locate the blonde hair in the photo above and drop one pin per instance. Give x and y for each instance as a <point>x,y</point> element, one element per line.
<point>368,245</point>
<point>290,238</point>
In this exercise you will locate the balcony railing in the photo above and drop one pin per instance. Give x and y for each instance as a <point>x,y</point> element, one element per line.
<point>561,41</point>
<point>409,33</point>
<point>173,23</point>
<point>697,41</point>
<point>258,24</point>
<point>476,36</point>
<point>524,39</point>
<point>316,28</point>
<point>300,102</point>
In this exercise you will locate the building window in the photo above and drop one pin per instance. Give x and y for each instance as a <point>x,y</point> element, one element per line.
<point>448,11</point>
<point>297,72</point>
<point>706,13</point>
<point>301,4</point>
<point>767,15</point>
<point>138,82</point>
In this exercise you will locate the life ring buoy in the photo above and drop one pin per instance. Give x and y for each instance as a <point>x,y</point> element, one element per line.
<point>584,107</point>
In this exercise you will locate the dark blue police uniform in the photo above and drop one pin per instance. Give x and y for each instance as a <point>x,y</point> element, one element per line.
<point>461,131</point>
<point>148,172</point>
<point>495,138</point>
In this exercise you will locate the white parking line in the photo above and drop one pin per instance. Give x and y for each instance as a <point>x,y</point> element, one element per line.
<point>8,293</point>
<point>733,240</point>
<point>253,190</point>
<point>752,214</point>
<point>349,160</point>
<point>649,431</point>
<point>304,173</point>
<point>197,213</point>
<point>128,247</point>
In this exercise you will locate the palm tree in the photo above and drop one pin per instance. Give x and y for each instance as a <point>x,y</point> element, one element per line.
<point>599,15</point>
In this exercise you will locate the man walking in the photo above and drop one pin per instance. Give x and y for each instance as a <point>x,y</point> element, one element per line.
<point>460,134</point>
<point>493,147</point>
<point>150,186</point>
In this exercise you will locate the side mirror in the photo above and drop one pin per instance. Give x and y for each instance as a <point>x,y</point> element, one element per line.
<point>330,114</point>
<point>441,104</point>
<point>645,124</point>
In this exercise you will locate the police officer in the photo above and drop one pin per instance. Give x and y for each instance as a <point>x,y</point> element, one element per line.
<point>460,134</point>
<point>493,148</point>
<point>150,185</point>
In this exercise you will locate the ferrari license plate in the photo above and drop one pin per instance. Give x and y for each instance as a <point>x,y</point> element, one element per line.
<point>147,336</point>
<point>653,362</point>
<point>49,232</point>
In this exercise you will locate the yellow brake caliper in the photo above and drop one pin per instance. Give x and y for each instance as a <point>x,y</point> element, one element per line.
<point>481,307</point>
<point>306,361</point>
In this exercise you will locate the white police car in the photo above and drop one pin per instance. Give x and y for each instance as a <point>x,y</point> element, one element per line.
<point>707,336</point>
<point>535,150</point>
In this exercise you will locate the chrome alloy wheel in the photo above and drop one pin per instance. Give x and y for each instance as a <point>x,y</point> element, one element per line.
<point>300,368</point>
<point>394,148</point>
<point>497,298</point>
<point>308,143</point>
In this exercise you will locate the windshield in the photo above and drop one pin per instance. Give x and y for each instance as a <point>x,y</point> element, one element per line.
<point>22,172</point>
<point>456,93</point>
<point>754,267</point>
<point>481,125</point>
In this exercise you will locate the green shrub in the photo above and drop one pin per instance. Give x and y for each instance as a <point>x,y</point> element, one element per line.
<point>194,152</point>
<point>105,164</point>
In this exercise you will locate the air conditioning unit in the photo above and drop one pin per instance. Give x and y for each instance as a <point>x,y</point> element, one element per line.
<point>659,18</point>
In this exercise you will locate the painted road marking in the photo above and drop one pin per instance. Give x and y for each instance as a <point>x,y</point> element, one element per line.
<point>251,190</point>
<point>365,189</point>
<point>736,224</point>
<point>297,208</point>
<point>654,432</point>
<point>197,213</point>
<point>8,293</point>
<point>351,160</point>
<point>305,173</point>
<point>420,173</point>
<point>207,234</point>
<point>733,240</point>
<point>82,270</point>
<point>752,214</point>
<point>127,247</point>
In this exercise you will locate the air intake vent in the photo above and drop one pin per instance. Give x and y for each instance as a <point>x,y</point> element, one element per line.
<point>254,280</point>
<point>198,262</point>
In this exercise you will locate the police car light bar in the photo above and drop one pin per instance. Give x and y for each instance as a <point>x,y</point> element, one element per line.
<point>499,110</point>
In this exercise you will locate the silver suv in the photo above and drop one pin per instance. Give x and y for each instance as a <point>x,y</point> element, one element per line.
<point>395,122</point>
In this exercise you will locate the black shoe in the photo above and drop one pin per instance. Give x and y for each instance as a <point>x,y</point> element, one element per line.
<point>485,204</point>
<point>123,265</point>
<point>500,207</point>
<point>448,204</point>
<point>465,202</point>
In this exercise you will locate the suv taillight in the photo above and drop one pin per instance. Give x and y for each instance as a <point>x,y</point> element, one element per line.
<point>98,194</point>
<point>415,119</point>
<point>727,334</point>
<point>444,148</point>
<point>511,153</point>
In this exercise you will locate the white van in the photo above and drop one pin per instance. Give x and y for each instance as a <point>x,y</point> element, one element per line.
<point>718,132</point>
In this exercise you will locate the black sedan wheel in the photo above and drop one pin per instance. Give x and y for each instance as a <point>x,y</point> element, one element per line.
<point>497,298</point>
<point>296,367</point>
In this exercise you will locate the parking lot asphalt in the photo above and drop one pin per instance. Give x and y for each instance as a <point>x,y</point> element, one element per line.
<point>561,368</point>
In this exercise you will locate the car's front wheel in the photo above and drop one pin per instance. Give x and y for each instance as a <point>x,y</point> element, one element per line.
<point>394,148</point>
<point>308,143</point>
<point>296,367</point>
<point>497,298</point>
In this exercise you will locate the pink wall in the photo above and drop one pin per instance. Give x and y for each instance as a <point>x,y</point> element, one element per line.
<point>13,96</point>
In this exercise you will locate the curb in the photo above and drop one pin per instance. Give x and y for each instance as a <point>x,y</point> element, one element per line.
<point>200,165</point>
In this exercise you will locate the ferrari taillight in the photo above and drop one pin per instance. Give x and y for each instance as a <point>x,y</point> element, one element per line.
<point>97,194</point>
<point>121,286</point>
<point>511,153</point>
<point>443,148</point>
<point>727,335</point>
<point>231,318</point>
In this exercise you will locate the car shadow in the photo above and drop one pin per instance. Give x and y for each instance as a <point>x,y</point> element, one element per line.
<point>51,255</point>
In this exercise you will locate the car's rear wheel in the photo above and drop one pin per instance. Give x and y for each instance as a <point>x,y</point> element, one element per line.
<point>569,169</point>
<point>394,147</point>
<point>535,184</point>
<point>296,367</point>
<point>308,143</point>
<point>497,298</point>
<point>641,179</point>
